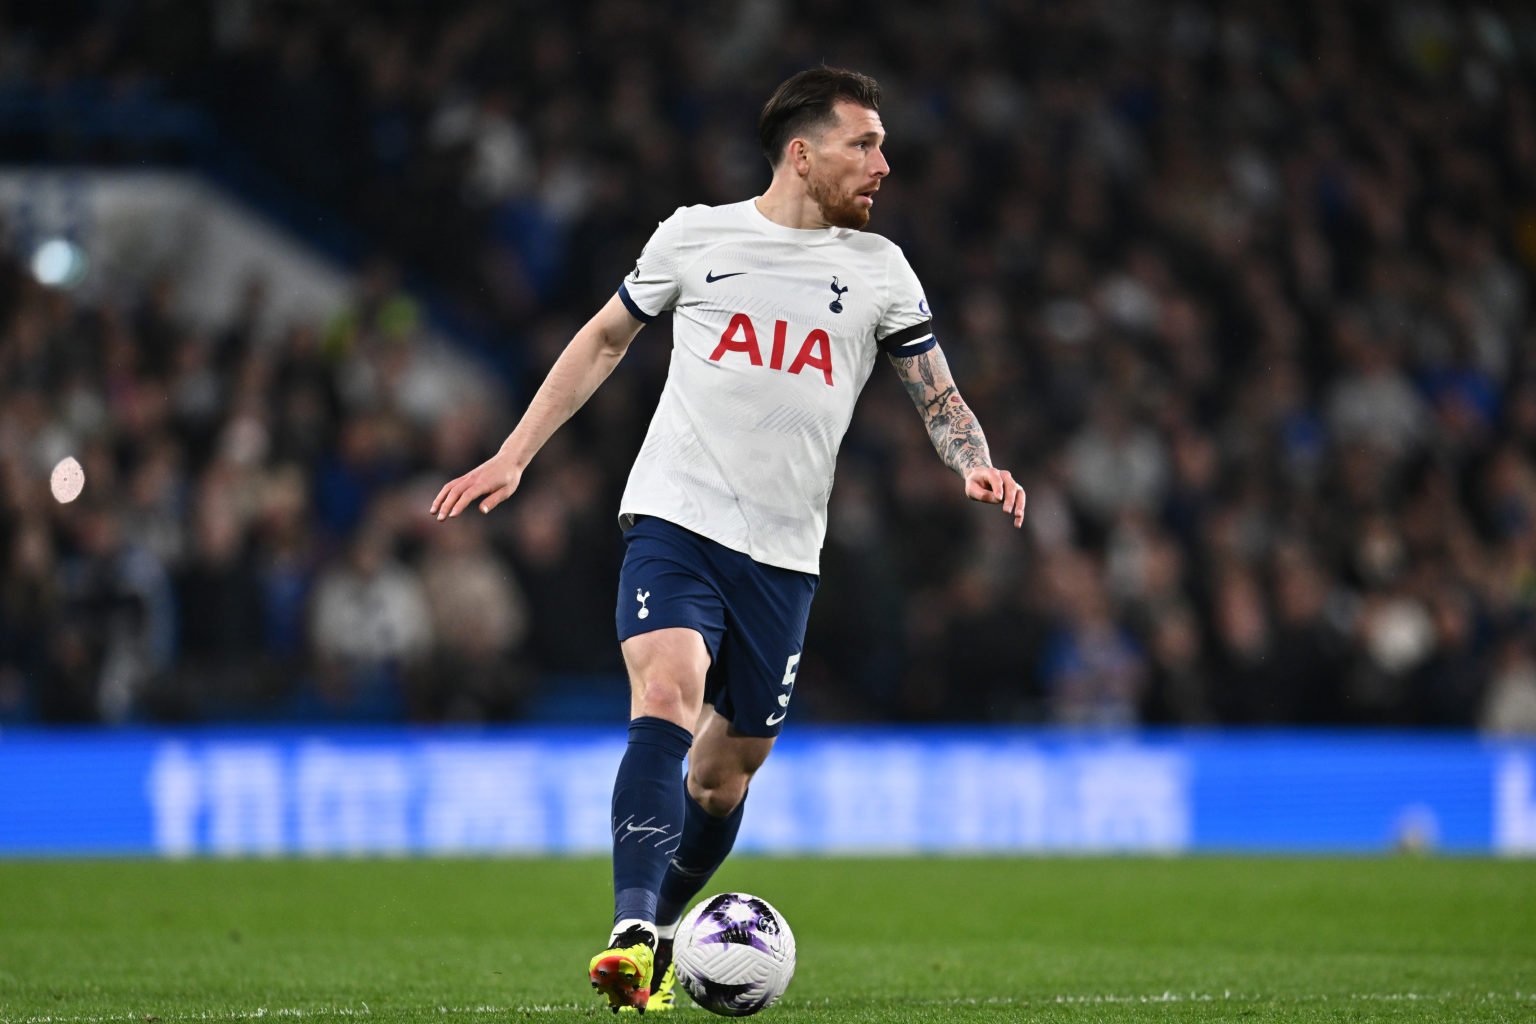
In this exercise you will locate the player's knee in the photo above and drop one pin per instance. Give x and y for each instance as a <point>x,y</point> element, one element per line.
<point>719,793</point>
<point>666,674</point>
<point>669,701</point>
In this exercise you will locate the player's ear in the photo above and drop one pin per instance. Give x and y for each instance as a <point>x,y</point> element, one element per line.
<point>799,155</point>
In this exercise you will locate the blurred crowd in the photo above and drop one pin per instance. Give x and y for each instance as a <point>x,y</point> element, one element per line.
<point>1242,292</point>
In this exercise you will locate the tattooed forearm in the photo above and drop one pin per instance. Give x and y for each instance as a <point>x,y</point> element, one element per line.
<point>952,427</point>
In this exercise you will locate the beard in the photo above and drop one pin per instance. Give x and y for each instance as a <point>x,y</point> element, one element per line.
<point>841,210</point>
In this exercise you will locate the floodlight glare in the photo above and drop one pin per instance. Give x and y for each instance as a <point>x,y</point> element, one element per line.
<point>59,263</point>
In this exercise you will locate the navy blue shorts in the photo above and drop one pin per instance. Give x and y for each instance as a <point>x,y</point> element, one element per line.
<point>752,616</point>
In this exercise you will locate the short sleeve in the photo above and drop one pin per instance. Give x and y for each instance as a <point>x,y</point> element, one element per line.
<point>906,324</point>
<point>652,288</point>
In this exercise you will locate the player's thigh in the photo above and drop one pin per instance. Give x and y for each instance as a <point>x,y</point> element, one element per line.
<point>722,762</point>
<point>670,619</point>
<point>666,673</point>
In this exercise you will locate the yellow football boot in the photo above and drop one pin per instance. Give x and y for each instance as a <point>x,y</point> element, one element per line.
<point>664,989</point>
<point>623,971</point>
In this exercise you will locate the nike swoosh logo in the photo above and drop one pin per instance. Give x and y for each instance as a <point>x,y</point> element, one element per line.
<point>632,829</point>
<point>710,277</point>
<point>776,719</point>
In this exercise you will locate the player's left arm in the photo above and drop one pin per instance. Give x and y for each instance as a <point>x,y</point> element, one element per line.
<point>955,433</point>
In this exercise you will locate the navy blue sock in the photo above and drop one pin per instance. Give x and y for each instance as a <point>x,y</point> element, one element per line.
<point>648,799</point>
<point>707,841</point>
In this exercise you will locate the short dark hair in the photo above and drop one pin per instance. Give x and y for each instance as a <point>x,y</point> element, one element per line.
<point>804,103</point>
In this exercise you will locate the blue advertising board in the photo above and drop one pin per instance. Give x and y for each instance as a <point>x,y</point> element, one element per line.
<point>532,791</point>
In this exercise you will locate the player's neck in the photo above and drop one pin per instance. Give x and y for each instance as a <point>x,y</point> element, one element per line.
<point>789,206</point>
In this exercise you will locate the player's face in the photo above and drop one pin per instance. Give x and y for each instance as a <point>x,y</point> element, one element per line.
<point>847,166</point>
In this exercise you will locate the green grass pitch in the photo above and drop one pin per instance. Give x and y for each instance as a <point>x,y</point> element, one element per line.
<point>466,941</point>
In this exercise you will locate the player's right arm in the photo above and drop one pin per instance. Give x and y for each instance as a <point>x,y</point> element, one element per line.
<point>586,362</point>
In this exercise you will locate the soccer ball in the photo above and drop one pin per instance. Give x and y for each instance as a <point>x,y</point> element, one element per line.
<point>734,954</point>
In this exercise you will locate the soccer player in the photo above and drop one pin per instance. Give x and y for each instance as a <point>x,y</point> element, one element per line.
<point>781,305</point>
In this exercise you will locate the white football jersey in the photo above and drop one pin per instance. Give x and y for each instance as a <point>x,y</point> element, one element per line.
<point>775,331</point>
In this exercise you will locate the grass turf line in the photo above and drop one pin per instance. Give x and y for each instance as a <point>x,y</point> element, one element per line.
<point>1195,939</point>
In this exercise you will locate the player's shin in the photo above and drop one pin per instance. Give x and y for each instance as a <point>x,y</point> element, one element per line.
<point>707,841</point>
<point>648,816</point>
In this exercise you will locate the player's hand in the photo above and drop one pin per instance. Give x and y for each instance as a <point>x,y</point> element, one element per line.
<point>996,486</point>
<point>494,480</point>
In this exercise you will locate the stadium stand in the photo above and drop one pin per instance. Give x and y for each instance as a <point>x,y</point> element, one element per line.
<point>1244,290</point>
